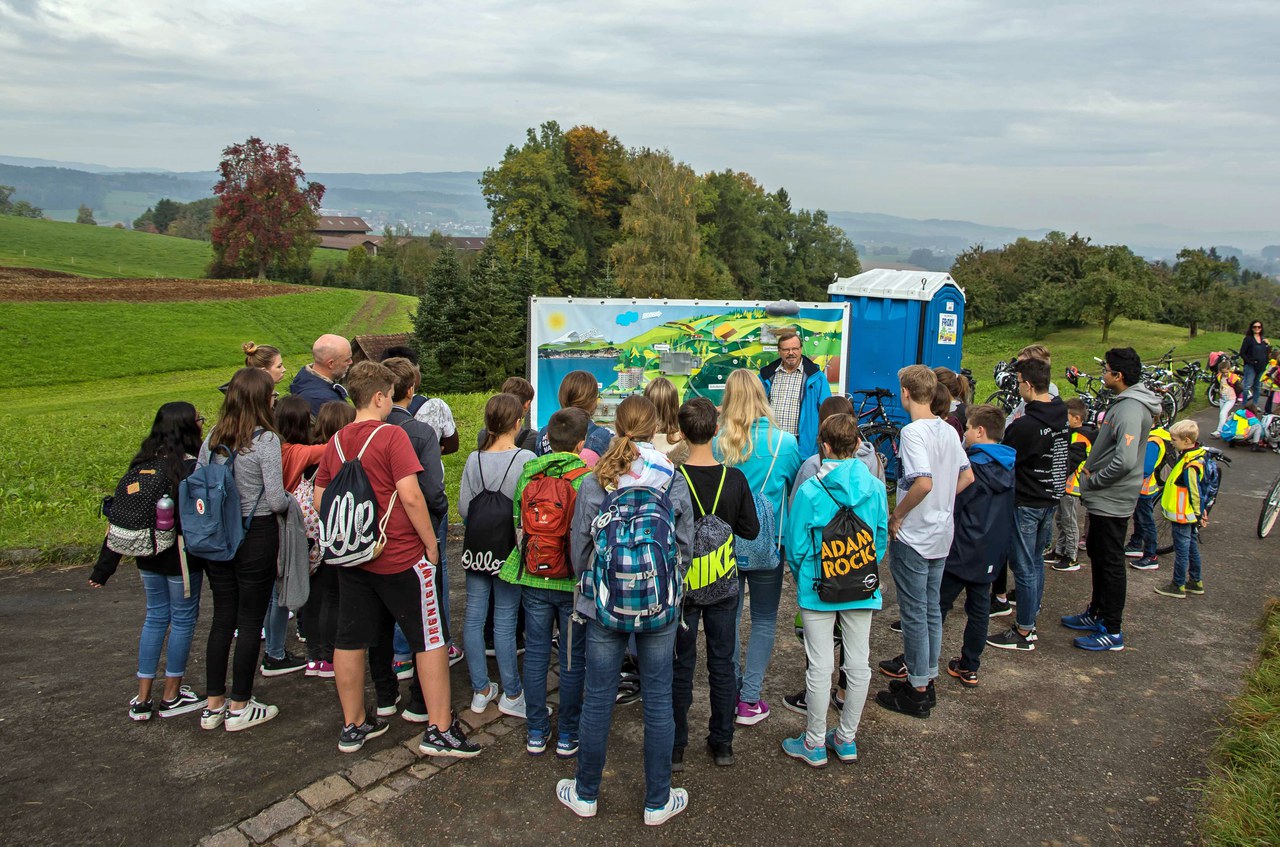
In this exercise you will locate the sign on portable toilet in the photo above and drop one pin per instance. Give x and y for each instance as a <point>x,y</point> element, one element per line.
<point>899,318</point>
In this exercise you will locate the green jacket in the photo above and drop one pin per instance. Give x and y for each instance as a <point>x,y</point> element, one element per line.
<point>555,465</point>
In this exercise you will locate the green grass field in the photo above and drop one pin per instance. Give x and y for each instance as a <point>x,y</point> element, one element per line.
<point>99,251</point>
<point>98,371</point>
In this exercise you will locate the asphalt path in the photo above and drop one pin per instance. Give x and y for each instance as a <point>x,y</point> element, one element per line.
<point>1058,746</point>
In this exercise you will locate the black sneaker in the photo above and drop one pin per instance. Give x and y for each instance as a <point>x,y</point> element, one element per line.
<point>895,668</point>
<point>140,710</point>
<point>1064,564</point>
<point>1173,590</point>
<point>1133,549</point>
<point>837,702</point>
<point>279,667</point>
<point>896,626</point>
<point>1000,608</point>
<point>186,701</point>
<point>905,700</point>
<point>452,742</point>
<point>353,737</point>
<point>796,703</point>
<point>1012,639</point>
<point>1146,563</point>
<point>968,678</point>
<point>677,759</point>
<point>930,692</point>
<point>721,754</point>
<point>628,690</point>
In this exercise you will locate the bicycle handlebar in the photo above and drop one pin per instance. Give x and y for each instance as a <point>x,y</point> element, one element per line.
<point>873,392</point>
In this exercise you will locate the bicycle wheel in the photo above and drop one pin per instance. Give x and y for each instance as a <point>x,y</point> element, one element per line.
<point>1270,510</point>
<point>1214,394</point>
<point>1168,409</point>
<point>1002,400</point>
<point>1164,532</point>
<point>884,440</point>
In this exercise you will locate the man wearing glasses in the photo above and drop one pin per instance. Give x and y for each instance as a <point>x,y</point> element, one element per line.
<point>1109,485</point>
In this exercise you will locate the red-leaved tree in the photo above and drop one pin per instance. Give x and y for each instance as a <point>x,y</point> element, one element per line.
<point>266,208</point>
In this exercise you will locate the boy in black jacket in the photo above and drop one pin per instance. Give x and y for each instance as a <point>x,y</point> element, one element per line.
<point>1040,438</point>
<point>983,534</point>
<point>1067,521</point>
<point>711,583</point>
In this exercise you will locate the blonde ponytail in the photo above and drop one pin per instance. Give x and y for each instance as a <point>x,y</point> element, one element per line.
<point>637,420</point>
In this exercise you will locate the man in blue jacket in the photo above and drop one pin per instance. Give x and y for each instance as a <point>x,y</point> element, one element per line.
<point>317,383</point>
<point>796,387</point>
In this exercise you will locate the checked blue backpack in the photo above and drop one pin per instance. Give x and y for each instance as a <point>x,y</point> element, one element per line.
<point>635,577</point>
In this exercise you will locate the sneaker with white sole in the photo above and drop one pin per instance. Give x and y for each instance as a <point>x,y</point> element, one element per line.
<point>451,743</point>
<point>798,748</point>
<point>566,747</point>
<point>415,713</point>
<point>846,751</point>
<point>186,701</point>
<point>404,670</point>
<point>286,664</point>
<point>353,737</point>
<point>388,711</point>
<point>140,710</point>
<point>456,655</point>
<point>513,706</point>
<point>1146,563</point>
<point>252,714</point>
<point>535,744</point>
<point>676,803</point>
<point>480,700</point>
<point>567,793</point>
<point>750,714</point>
<point>213,718</point>
<point>1099,642</point>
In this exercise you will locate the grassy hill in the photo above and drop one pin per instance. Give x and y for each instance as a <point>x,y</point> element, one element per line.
<point>99,251</point>
<point>93,374</point>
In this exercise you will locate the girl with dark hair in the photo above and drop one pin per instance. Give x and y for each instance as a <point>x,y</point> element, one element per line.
<point>1254,352</point>
<point>245,433</point>
<point>171,607</point>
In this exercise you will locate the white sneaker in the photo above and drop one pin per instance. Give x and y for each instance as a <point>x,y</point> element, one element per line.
<point>480,700</point>
<point>676,803</point>
<point>513,707</point>
<point>567,793</point>
<point>213,718</point>
<point>252,714</point>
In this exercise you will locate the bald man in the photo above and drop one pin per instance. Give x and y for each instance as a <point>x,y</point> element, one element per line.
<point>317,383</point>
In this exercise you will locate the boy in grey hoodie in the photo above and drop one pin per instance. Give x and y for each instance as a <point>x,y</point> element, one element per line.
<point>1109,485</point>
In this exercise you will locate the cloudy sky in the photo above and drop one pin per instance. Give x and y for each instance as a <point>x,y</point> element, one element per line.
<point>1018,112</point>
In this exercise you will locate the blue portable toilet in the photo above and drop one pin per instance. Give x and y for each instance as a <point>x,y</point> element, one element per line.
<point>899,318</point>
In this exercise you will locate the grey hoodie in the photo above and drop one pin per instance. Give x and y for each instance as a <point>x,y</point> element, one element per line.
<point>1113,472</point>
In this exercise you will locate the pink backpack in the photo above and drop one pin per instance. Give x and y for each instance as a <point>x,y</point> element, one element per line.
<point>305,494</point>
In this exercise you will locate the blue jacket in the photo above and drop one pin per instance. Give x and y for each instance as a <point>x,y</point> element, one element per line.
<point>767,440</point>
<point>984,515</point>
<point>812,393</point>
<point>852,485</point>
<point>316,390</point>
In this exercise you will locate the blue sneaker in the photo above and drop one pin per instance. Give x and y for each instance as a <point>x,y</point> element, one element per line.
<point>1100,641</point>
<point>846,751</point>
<point>566,747</point>
<point>1084,621</point>
<point>536,744</point>
<point>798,748</point>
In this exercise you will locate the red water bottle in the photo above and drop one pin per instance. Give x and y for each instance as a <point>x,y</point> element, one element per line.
<point>164,513</point>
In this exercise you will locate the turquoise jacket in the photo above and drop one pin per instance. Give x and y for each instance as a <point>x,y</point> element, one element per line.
<point>812,393</point>
<point>852,485</point>
<point>766,441</point>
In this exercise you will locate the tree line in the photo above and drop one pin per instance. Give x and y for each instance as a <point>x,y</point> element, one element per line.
<point>17,208</point>
<point>192,220</point>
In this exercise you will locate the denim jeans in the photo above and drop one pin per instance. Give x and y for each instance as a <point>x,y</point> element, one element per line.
<point>1186,549</point>
<point>167,611</point>
<point>506,608</point>
<point>766,592</point>
<point>277,626</point>
<point>977,609</point>
<point>918,580</point>
<point>819,649</point>
<point>604,665</point>
<point>717,622</point>
<point>1034,527</point>
<point>1144,524</point>
<point>1252,384</point>
<point>543,608</point>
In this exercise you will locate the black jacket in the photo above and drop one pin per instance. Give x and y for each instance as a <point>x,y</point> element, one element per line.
<point>1255,353</point>
<point>1041,439</point>
<point>315,389</point>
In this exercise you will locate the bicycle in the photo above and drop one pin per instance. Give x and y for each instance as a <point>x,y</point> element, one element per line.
<point>1006,395</point>
<point>878,429</point>
<point>1095,396</point>
<point>1214,392</point>
<point>1270,510</point>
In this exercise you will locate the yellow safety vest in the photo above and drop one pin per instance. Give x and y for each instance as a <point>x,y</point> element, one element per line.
<point>1161,438</point>
<point>1073,483</point>
<point>1176,500</point>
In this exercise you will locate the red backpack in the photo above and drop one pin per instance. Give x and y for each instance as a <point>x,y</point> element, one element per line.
<point>546,512</point>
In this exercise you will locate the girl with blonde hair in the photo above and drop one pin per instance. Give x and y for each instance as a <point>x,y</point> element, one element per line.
<point>666,400</point>
<point>769,457</point>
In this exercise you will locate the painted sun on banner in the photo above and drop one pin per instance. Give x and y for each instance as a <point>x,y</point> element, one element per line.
<point>627,343</point>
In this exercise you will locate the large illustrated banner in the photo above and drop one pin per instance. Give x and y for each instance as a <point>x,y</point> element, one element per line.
<point>695,344</point>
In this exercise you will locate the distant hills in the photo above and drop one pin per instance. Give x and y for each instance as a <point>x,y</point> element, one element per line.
<point>452,203</point>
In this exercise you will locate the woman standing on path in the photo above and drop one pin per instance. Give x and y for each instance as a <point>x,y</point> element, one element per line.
<point>171,607</point>
<point>242,586</point>
<point>1254,352</point>
<point>769,456</point>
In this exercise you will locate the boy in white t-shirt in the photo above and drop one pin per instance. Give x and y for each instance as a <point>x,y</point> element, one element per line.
<point>933,469</point>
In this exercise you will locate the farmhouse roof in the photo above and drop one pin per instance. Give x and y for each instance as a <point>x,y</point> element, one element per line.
<point>371,347</point>
<point>331,223</point>
<point>466,243</point>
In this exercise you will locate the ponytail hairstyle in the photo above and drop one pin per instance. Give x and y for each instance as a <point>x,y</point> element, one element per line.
<point>744,402</point>
<point>637,420</point>
<point>245,409</point>
<point>174,435</point>
<point>662,393</point>
<point>502,414</point>
<point>955,383</point>
<point>333,416</point>
<point>293,419</point>
<point>259,355</point>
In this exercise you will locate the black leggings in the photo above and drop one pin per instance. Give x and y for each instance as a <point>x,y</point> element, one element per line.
<point>321,614</point>
<point>241,593</point>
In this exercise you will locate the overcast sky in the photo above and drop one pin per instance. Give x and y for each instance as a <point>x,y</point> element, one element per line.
<point>1061,114</point>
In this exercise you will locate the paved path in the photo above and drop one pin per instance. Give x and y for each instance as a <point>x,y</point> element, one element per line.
<point>1055,747</point>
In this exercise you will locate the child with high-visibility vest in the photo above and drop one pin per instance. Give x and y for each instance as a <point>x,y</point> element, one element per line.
<point>1067,519</point>
<point>1143,544</point>
<point>1182,505</point>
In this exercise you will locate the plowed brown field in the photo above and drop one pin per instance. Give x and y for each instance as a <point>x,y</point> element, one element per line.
<point>29,284</point>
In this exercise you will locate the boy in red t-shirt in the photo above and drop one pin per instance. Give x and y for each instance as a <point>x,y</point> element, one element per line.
<point>400,583</point>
